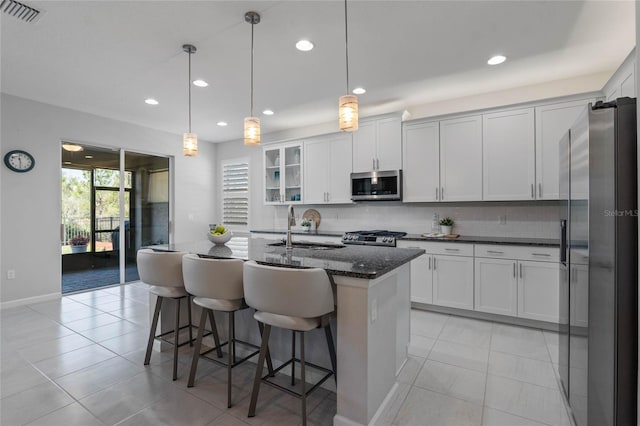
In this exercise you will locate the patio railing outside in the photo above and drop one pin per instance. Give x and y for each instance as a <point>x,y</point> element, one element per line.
<point>75,226</point>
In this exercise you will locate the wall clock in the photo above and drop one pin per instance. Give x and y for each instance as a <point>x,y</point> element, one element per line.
<point>19,161</point>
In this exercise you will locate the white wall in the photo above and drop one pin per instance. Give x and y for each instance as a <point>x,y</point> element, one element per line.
<point>30,220</point>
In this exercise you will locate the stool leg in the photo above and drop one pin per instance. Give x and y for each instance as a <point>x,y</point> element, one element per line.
<point>176,332</point>
<point>303,380</point>
<point>152,333</point>
<point>230,357</point>
<point>332,350</point>
<point>256,382</point>
<point>214,330</point>
<point>196,350</point>
<point>269,363</point>
<point>190,328</point>
<point>232,339</point>
<point>293,358</point>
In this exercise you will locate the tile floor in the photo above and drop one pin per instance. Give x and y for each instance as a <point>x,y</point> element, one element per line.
<point>78,361</point>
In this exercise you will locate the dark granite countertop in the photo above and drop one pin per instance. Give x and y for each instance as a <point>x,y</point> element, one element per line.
<point>548,242</point>
<point>488,240</point>
<point>356,261</point>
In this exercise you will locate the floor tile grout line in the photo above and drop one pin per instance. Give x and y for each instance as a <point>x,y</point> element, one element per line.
<point>486,376</point>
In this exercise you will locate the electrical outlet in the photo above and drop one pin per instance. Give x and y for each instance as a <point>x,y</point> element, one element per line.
<point>11,274</point>
<point>374,310</point>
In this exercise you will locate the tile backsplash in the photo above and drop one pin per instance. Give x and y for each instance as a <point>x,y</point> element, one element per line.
<point>523,219</point>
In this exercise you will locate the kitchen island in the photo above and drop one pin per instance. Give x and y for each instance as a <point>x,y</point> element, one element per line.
<point>373,312</point>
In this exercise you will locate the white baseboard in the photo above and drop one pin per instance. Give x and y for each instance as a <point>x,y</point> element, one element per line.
<point>339,420</point>
<point>30,300</point>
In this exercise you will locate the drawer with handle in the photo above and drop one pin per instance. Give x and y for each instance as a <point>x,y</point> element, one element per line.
<point>537,253</point>
<point>453,249</point>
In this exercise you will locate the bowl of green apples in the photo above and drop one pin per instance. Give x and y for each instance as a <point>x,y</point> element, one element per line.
<point>219,235</point>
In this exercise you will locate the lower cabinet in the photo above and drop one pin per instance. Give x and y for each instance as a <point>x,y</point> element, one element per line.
<point>538,290</point>
<point>496,286</point>
<point>422,279</point>
<point>453,281</point>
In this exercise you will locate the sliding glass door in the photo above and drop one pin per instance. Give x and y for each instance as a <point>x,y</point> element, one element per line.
<point>105,191</point>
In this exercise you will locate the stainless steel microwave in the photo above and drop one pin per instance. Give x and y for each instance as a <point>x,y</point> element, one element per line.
<point>376,186</point>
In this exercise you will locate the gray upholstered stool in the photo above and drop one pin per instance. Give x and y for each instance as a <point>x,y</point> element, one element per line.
<point>293,299</point>
<point>216,285</point>
<point>163,272</point>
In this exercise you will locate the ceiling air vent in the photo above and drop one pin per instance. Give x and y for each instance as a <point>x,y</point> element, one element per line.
<point>19,10</point>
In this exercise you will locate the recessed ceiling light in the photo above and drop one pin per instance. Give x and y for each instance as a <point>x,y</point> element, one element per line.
<point>151,101</point>
<point>304,45</point>
<point>222,123</point>
<point>359,91</point>
<point>200,83</point>
<point>498,59</point>
<point>88,156</point>
<point>267,112</point>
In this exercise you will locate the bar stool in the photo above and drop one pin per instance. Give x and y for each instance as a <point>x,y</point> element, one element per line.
<point>293,299</point>
<point>217,286</point>
<point>163,271</point>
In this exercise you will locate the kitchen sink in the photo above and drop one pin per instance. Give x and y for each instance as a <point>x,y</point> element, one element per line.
<point>309,245</point>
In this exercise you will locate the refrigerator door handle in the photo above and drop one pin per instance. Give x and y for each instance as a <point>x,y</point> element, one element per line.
<point>563,241</point>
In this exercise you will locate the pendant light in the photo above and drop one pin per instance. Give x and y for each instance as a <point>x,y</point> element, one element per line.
<point>348,104</point>
<point>252,124</point>
<point>189,140</point>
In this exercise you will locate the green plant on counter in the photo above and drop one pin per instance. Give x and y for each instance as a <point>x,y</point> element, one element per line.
<point>447,221</point>
<point>305,223</point>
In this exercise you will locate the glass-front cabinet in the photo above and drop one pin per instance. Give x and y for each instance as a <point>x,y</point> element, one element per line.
<point>283,174</point>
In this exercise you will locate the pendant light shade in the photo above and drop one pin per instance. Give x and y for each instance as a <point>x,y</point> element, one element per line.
<point>189,140</point>
<point>348,111</point>
<point>347,104</point>
<point>252,131</point>
<point>252,124</point>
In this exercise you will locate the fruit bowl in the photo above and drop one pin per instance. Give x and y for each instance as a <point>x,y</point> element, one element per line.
<point>220,239</point>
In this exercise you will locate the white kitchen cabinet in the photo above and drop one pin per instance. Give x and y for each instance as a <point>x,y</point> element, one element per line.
<point>552,123</point>
<point>460,159</point>
<point>623,82</point>
<point>421,162</point>
<point>538,290</point>
<point>422,279</point>
<point>377,144</point>
<point>508,155</point>
<point>327,170</point>
<point>453,281</point>
<point>283,176</point>
<point>496,286</point>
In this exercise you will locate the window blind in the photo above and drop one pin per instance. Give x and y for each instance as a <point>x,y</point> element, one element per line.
<point>235,190</point>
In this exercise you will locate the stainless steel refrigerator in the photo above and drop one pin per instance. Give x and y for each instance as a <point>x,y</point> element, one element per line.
<point>598,341</point>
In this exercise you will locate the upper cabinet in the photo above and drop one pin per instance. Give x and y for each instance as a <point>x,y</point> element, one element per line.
<point>377,144</point>
<point>283,173</point>
<point>508,155</point>
<point>460,152</point>
<point>552,122</point>
<point>421,162</point>
<point>327,169</point>
<point>623,81</point>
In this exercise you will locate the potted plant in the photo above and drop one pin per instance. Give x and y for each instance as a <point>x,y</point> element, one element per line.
<point>446,225</point>
<point>306,225</point>
<point>79,243</point>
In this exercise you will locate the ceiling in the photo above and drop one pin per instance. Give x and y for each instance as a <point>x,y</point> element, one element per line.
<point>107,57</point>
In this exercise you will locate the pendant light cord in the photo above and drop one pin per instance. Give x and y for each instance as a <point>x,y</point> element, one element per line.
<point>346,43</point>
<point>189,86</point>
<point>252,25</point>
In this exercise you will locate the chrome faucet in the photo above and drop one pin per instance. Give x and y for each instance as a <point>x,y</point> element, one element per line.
<point>291,221</point>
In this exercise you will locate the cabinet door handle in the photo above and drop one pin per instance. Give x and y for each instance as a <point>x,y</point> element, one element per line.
<point>541,254</point>
<point>328,197</point>
<point>441,194</point>
<point>429,262</point>
<point>521,270</point>
<point>533,195</point>
<point>540,190</point>
<point>437,194</point>
<point>514,269</point>
<point>373,163</point>
<point>434,263</point>
<point>377,164</point>
<point>450,249</point>
<point>495,252</point>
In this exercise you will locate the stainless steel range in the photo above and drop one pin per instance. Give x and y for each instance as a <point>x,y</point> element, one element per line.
<point>372,238</point>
